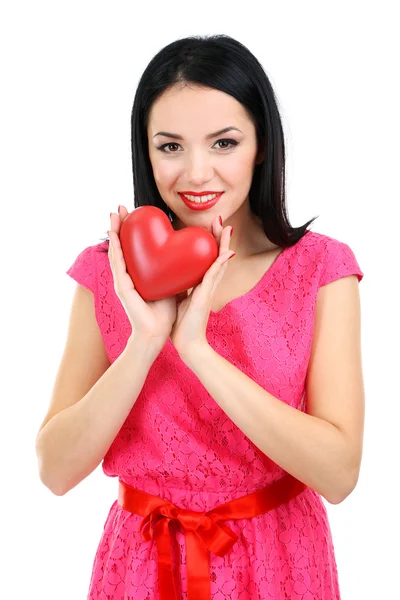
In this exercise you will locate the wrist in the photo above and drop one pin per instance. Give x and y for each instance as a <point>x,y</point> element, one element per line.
<point>145,343</point>
<point>195,353</point>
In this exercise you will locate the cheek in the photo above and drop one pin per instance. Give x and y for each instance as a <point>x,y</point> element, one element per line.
<point>165,173</point>
<point>239,168</point>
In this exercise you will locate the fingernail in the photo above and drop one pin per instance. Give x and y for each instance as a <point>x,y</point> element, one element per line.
<point>119,206</point>
<point>231,231</point>
<point>232,255</point>
<point>220,219</point>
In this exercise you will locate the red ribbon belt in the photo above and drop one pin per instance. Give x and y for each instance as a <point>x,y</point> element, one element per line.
<point>204,531</point>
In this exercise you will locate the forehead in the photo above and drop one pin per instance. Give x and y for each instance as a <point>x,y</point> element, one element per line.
<point>191,108</point>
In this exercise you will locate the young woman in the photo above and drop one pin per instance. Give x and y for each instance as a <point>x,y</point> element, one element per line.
<point>228,414</point>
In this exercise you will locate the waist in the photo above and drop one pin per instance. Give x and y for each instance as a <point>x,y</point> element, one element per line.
<point>204,530</point>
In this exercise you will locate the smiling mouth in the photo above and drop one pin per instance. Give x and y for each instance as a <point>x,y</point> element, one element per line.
<point>200,198</point>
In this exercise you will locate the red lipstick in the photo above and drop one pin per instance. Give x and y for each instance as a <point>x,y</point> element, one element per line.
<point>198,193</point>
<point>200,205</point>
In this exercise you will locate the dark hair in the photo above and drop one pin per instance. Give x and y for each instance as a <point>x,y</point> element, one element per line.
<point>222,63</point>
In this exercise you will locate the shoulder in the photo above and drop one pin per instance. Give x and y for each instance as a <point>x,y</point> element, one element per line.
<point>93,253</point>
<point>89,263</point>
<point>321,242</point>
<point>100,249</point>
<point>334,258</point>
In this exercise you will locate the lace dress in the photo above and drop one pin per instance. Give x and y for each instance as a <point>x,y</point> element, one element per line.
<point>177,443</point>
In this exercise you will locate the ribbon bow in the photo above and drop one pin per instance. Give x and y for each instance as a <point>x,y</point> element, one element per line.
<point>203,533</point>
<point>203,530</point>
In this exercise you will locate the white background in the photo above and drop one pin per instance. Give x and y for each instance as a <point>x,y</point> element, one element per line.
<point>69,72</point>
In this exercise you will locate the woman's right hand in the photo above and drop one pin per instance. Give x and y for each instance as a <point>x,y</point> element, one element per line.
<point>152,319</point>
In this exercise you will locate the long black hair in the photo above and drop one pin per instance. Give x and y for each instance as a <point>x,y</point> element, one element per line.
<point>222,63</point>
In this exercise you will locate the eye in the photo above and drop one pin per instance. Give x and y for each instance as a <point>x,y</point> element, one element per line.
<point>224,141</point>
<point>163,146</point>
<point>230,142</point>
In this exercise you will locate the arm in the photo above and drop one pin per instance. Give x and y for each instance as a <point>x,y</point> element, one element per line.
<point>322,449</point>
<point>74,441</point>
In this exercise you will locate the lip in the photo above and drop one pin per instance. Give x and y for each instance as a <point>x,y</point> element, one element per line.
<point>198,193</point>
<point>200,205</point>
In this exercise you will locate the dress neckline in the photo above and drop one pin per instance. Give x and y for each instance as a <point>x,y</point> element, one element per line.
<point>264,278</point>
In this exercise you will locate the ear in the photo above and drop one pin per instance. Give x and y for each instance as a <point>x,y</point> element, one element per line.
<point>260,157</point>
<point>261,154</point>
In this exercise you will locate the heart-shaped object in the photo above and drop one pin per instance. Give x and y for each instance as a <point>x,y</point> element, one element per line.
<point>163,262</point>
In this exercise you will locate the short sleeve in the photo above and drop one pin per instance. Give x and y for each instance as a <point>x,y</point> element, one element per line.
<point>339,261</point>
<point>83,269</point>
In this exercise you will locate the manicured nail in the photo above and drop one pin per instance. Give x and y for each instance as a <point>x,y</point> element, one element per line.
<point>232,255</point>
<point>220,219</point>
<point>231,231</point>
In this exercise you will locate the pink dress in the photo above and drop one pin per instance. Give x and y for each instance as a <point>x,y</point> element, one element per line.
<point>177,443</point>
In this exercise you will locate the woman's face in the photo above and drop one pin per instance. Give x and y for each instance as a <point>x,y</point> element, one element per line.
<point>196,162</point>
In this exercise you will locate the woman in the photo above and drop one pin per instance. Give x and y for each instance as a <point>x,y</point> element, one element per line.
<point>226,413</point>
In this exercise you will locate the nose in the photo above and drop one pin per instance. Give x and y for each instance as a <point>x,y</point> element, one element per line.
<point>199,169</point>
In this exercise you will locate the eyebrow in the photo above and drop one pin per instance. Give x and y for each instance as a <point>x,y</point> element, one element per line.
<point>176,136</point>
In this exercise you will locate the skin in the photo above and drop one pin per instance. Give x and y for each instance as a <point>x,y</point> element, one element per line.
<point>197,164</point>
<point>334,420</point>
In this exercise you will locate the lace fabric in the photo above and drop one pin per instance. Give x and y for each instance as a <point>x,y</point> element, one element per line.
<point>177,442</point>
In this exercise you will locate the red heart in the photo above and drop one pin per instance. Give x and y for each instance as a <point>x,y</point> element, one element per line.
<point>163,262</point>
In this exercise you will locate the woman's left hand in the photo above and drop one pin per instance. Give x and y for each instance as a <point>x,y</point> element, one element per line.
<point>189,328</point>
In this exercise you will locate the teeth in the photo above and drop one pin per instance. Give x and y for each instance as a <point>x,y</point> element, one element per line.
<point>200,199</point>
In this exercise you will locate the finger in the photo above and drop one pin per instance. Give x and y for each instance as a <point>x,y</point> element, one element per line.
<point>221,261</point>
<point>217,230</point>
<point>121,277</point>
<point>113,234</point>
<point>123,213</point>
<point>226,238</point>
<point>116,250</point>
<point>114,222</point>
<point>222,235</point>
